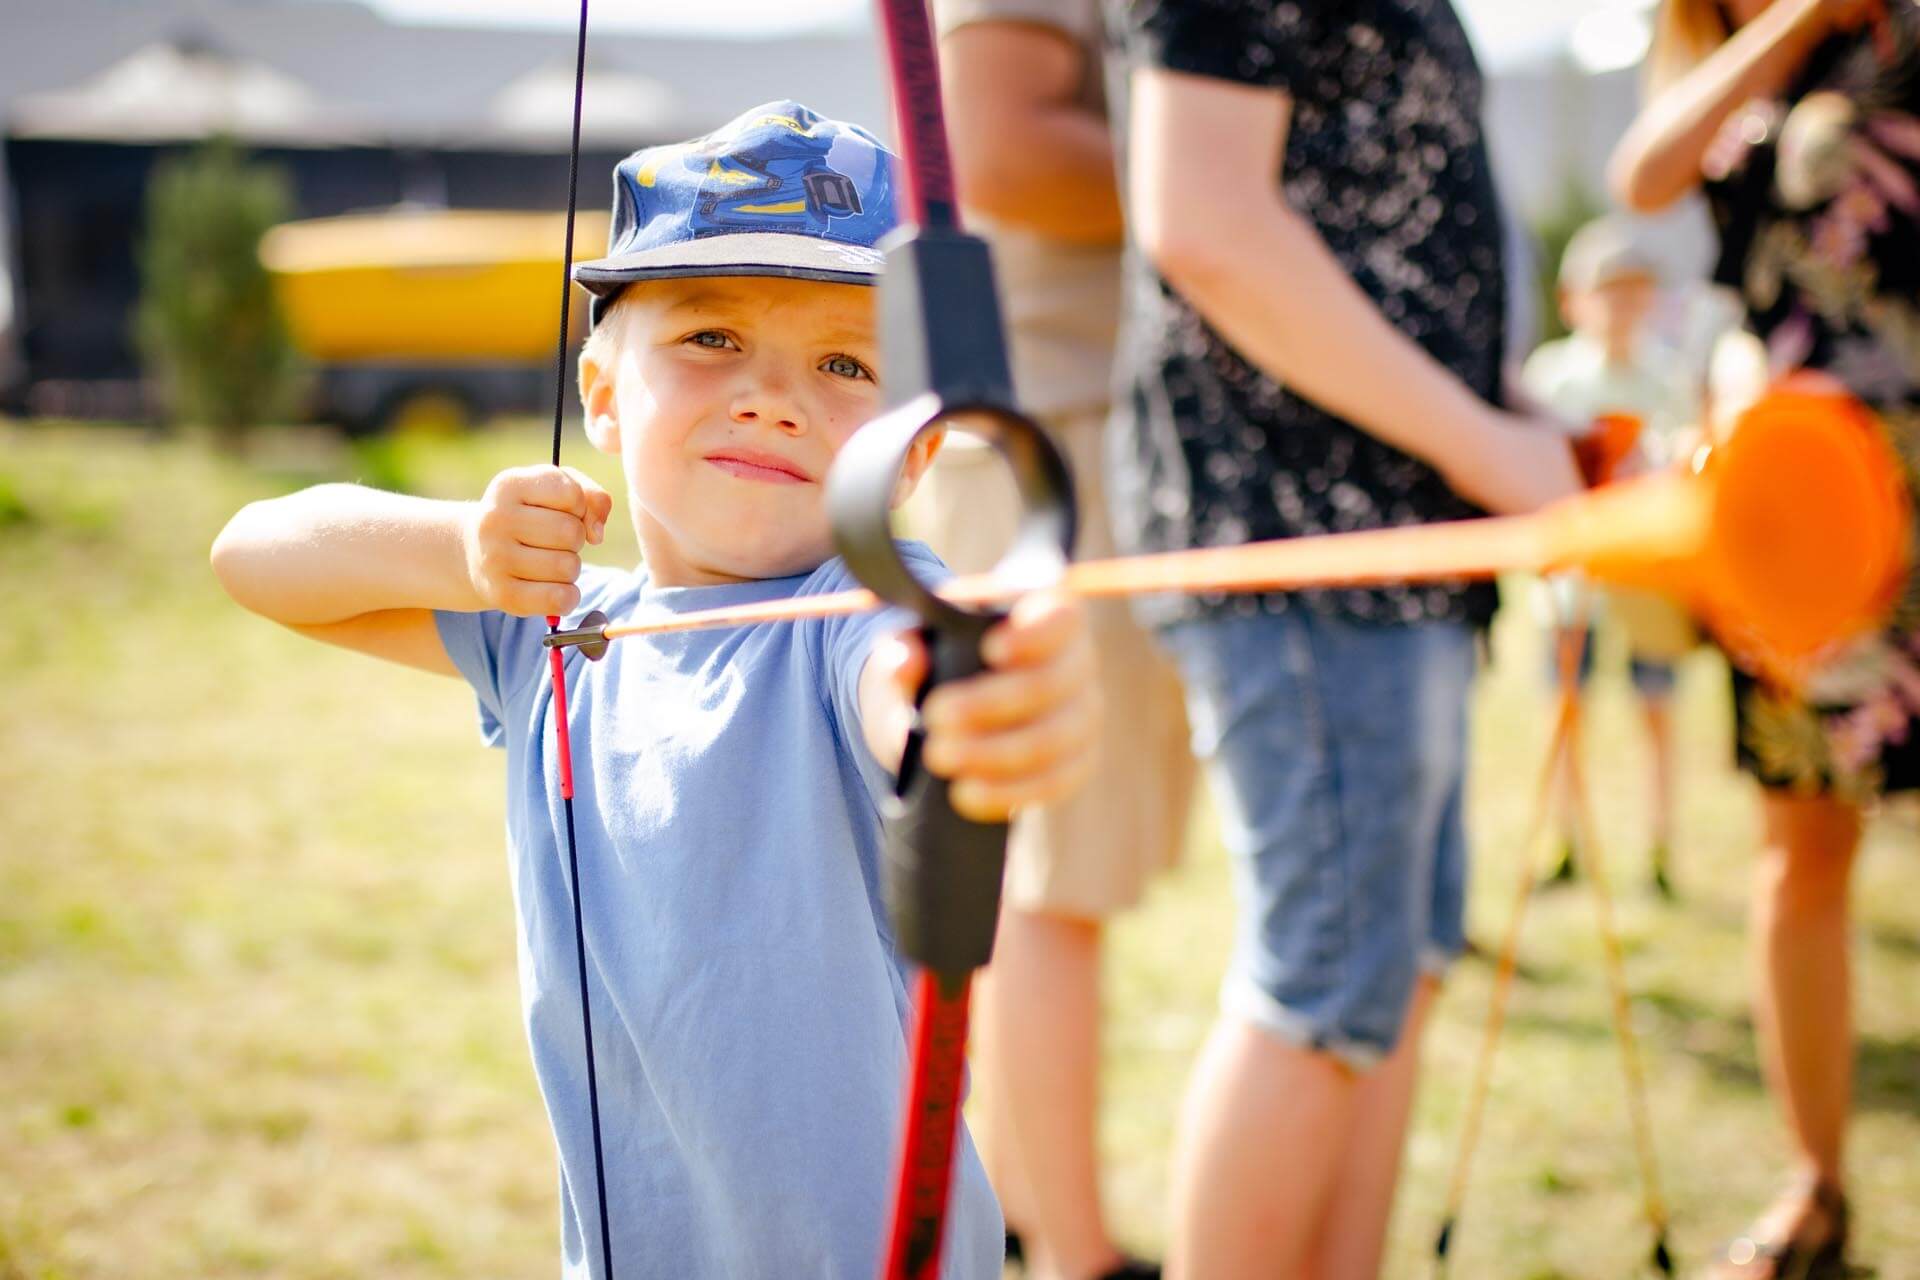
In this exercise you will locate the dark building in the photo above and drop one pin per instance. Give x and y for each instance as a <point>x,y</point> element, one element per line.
<point>360,113</point>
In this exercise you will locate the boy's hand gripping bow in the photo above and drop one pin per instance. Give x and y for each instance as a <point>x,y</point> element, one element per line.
<point>946,362</point>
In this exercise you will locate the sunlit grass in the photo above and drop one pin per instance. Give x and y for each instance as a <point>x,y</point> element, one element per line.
<point>258,1012</point>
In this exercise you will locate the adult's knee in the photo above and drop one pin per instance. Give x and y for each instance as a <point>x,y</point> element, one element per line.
<point>1799,881</point>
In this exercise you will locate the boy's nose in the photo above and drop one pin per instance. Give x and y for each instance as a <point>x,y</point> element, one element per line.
<point>772,406</point>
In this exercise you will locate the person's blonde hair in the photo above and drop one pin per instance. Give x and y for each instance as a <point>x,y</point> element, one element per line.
<point>604,341</point>
<point>1684,33</point>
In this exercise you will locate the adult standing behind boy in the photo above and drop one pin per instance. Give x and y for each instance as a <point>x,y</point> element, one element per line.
<point>1034,158</point>
<point>1611,364</point>
<point>1313,345</point>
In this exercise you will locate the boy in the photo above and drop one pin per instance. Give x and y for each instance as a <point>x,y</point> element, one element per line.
<point>1608,287</point>
<point>748,1002</point>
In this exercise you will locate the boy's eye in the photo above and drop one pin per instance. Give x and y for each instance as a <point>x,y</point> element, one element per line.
<point>846,367</point>
<point>713,339</point>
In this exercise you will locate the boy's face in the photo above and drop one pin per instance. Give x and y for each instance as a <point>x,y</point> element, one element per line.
<point>1612,312</point>
<point>727,399</point>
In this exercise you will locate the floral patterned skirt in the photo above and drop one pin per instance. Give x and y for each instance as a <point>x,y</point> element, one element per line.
<point>1855,729</point>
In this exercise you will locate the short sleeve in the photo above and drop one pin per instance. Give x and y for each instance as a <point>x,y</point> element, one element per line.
<point>1254,42</point>
<point>499,654</point>
<point>845,645</point>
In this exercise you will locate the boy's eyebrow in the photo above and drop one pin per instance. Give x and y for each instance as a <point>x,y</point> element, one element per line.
<point>706,300</point>
<point>729,304</point>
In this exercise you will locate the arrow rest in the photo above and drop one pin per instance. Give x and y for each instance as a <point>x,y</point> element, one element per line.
<point>590,637</point>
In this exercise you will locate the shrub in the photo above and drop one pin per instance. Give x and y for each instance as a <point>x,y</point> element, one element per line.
<point>210,334</point>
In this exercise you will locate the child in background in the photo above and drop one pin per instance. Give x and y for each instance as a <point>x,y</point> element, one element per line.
<point>1610,364</point>
<point>749,1004</point>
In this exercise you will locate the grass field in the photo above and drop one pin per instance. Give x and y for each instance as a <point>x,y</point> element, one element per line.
<point>257,991</point>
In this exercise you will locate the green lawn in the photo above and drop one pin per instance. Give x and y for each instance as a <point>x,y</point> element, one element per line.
<point>257,991</point>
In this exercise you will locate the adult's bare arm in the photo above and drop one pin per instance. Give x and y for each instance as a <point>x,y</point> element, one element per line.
<point>1027,149</point>
<point>1658,159</point>
<point>1202,164</point>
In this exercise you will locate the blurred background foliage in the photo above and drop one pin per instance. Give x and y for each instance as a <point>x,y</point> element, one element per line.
<point>208,328</point>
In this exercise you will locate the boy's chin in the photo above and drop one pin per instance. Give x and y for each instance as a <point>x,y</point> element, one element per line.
<point>773,559</point>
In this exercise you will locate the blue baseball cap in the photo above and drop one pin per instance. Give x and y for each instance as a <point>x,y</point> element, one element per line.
<point>778,191</point>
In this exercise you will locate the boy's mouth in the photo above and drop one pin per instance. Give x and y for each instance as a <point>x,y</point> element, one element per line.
<point>758,464</point>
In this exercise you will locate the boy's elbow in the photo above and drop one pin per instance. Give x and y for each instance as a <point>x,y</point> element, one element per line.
<point>233,560</point>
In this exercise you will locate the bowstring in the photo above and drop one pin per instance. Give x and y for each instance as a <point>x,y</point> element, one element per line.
<point>561,733</point>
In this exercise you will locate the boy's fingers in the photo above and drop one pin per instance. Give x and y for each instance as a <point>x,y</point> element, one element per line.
<point>555,488</point>
<point>1003,699</point>
<point>984,801</point>
<point>554,530</point>
<point>538,599</point>
<point>538,565</point>
<point>1032,749</point>
<point>1040,626</point>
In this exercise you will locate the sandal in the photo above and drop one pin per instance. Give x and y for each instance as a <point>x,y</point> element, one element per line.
<point>1798,1257</point>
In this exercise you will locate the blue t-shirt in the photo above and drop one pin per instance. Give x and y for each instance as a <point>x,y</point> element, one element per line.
<point>749,1007</point>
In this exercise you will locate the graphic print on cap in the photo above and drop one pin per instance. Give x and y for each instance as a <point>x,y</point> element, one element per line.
<point>781,190</point>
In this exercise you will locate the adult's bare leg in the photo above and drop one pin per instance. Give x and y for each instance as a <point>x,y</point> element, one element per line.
<point>988,1116</point>
<point>1802,987</point>
<point>1353,1232</point>
<point>1045,1039</point>
<point>1258,1151</point>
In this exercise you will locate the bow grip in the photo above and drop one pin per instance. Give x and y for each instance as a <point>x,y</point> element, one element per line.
<point>942,872</point>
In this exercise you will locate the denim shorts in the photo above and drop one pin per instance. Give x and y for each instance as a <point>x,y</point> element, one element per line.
<point>1336,752</point>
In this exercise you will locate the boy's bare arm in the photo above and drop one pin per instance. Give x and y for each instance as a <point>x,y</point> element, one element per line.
<point>1210,216</point>
<point>365,569</point>
<point>1023,733</point>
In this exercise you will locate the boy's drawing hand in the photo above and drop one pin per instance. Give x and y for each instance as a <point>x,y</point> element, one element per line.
<point>523,538</point>
<point>1025,731</point>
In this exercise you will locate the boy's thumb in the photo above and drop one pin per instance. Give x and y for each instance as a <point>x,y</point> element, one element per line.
<point>904,660</point>
<point>599,504</point>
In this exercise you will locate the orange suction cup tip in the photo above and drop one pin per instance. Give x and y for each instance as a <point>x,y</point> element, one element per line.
<point>1809,538</point>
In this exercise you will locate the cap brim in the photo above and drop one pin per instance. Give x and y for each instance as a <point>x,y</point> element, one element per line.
<point>742,254</point>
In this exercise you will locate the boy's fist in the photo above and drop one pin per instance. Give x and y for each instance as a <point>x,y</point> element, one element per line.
<point>523,538</point>
<point>1023,732</point>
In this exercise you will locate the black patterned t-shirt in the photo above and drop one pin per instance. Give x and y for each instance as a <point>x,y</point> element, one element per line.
<point>1385,157</point>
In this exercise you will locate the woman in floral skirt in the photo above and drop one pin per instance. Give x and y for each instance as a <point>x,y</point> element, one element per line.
<point>1800,119</point>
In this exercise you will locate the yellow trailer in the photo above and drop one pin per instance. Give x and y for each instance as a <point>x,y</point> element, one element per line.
<point>427,318</point>
<point>426,284</point>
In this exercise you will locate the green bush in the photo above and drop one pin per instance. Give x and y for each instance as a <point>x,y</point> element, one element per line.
<point>209,332</point>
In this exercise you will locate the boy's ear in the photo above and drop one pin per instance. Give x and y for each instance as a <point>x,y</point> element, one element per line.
<point>598,402</point>
<point>919,457</point>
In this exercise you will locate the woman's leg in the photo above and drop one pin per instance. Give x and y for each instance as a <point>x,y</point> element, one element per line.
<point>1802,1005</point>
